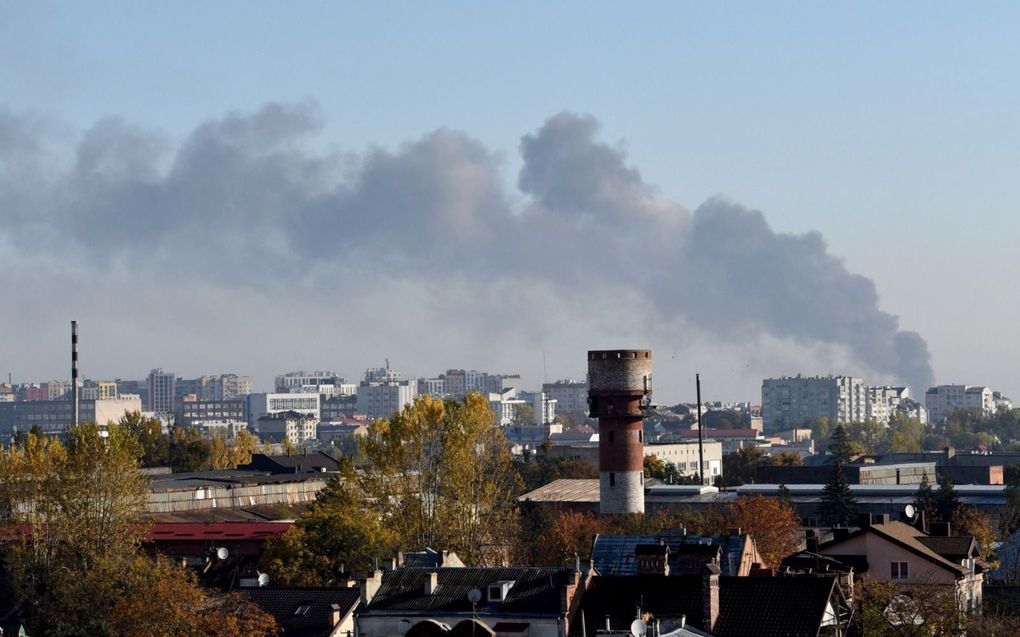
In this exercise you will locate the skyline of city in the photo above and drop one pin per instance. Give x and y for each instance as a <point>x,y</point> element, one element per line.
<point>277,219</point>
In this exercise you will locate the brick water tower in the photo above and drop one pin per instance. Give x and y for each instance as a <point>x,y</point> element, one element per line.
<point>619,387</point>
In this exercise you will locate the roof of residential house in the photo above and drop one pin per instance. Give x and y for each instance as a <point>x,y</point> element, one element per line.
<point>303,611</point>
<point>759,606</point>
<point>618,597</point>
<point>772,606</point>
<point>906,537</point>
<point>534,590</point>
<point>616,554</point>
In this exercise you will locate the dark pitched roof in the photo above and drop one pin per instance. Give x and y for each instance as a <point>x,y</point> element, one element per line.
<point>954,547</point>
<point>772,606</point>
<point>535,590</point>
<point>287,606</point>
<point>615,554</point>
<point>619,597</point>
<point>316,462</point>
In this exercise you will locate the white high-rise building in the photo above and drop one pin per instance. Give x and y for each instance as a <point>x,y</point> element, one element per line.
<point>943,399</point>
<point>383,394</point>
<point>261,404</point>
<point>795,401</point>
<point>882,402</point>
<point>306,382</point>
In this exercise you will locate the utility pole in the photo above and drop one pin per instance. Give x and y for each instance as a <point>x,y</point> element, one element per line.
<point>701,435</point>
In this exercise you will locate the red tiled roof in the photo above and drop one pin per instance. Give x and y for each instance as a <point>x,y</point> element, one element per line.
<point>720,433</point>
<point>162,531</point>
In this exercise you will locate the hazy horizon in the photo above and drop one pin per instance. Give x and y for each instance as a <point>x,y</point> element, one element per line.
<point>748,191</point>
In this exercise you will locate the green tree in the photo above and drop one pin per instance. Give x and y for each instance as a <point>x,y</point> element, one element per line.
<point>946,500</point>
<point>154,443</point>
<point>739,467</point>
<point>441,474</point>
<point>524,414</point>
<point>76,524</point>
<point>838,505</point>
<point>337,539</point>
<point>655,467</point>
<point>841,450</point>
<point>904,434</point>
<point>924,499</point>
<point>189,450</point>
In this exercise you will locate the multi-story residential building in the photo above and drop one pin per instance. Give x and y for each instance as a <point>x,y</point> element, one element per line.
<point>338,407</point>
<point>504,406</point>
<point>454,383</point>
<point>55,416</point>
<point>162,391</point>
<point>292,426</point>
<point>943,399</point>
<point>57,389</point>
<point>382,395</point>
<point>570,395</point>
<point>684,455</point>
<point>543,406</point>
<point>33,391</point>
<point>435,387</point>
<point>259,405</point>
<point>101,390</point>
<point>499,382</point>
<point>307,382</point>
<point>208,413</point>
<point>134,387</point>
<point>225,387</point>
<point>882,402</point>
<point>1001,402</point>
<point>793,401</point>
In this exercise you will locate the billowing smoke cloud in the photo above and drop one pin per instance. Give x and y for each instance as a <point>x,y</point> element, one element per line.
<point>245,217</point>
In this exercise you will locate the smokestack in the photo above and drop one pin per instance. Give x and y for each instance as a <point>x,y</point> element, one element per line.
<point>74,369</point>
<point>619,382</point>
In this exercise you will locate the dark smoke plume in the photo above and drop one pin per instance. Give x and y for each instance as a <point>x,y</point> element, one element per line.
<point>243,203</point>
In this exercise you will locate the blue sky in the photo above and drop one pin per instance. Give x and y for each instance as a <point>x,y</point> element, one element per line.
<point>891,128</point>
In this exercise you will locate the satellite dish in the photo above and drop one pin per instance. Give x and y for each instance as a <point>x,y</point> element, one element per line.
<point>638,628</point>
<point>263,579</point>
<point>404,626</point>
<point>474,595</point>
<point>222,553</point>
<point>909,511</point>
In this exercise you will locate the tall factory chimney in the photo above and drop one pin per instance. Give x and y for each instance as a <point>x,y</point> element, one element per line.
<point>74,369</point>
<point>619,386</point>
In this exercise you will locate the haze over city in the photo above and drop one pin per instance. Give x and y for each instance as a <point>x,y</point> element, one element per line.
<point>748,191</point>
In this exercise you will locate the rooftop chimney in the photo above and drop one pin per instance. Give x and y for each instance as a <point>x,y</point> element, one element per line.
<point>431,583</point>
<point>334,614</point>
<point>710,596</point>
<point>370,586</point>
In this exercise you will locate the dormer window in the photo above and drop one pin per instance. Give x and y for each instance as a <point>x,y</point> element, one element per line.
<point>499,590</point>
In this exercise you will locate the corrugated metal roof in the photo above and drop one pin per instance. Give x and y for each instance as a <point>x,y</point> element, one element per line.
<point>565,490</point>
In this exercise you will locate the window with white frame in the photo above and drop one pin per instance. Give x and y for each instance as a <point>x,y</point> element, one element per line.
<point>899,570</point>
